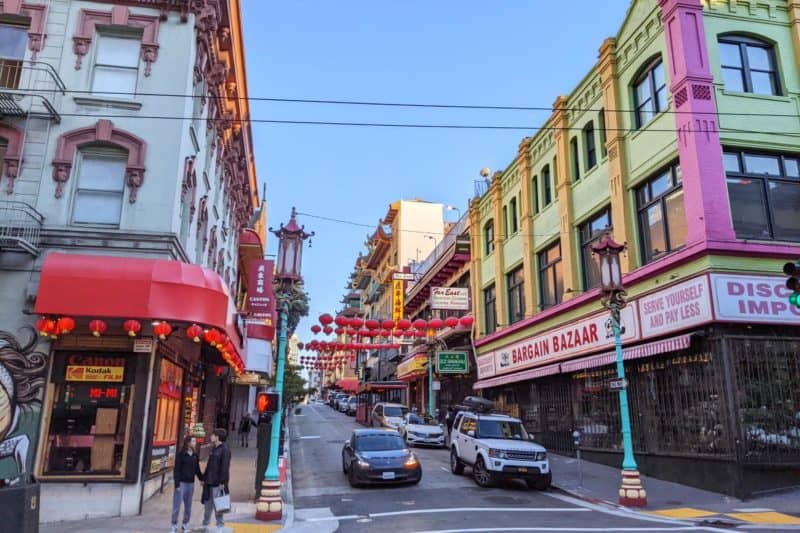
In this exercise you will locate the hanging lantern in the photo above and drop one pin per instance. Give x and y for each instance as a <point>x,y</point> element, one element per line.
<point>65,325</point>
<point>46,327</point>
<point>466,321</point>
<point>212,337</point>
<point>420,324</point>
<point>223,340</point>
<point>436,323</point>
<point>162,329</point>
<point>372,323</point>
<point>339,331</point>
<point>387,324</point>
<point>403,324</point>
<point>315,329</point>
<point>97,327</point>
<point>194,332</point>
<point>350,331</point>
<point>420,333</point>
<point>356,322</point>
<point>300,345</point>
<point>341,321</point>
<point>327,330</point>
<point>451,322</point>
<point>408,333</point>
<point>325,319</point>
<point>132,327</point>
<point>386,333</point>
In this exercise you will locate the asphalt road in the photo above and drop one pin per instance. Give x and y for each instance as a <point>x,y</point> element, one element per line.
<point>441,502</point>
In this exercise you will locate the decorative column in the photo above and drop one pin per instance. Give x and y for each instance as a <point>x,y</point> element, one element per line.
<point>496,190</point>
<point>564,195</point>
<point>794,20</point>
<point>476,258</point>
<point>706,205</point>
<point>622,217</point>
<point>526,223</point>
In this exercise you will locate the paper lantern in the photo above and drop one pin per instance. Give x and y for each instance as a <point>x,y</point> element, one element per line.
<point>451,322</point>
<point>356,322</point>
<point>372,323</point>
<point>162,330</point>
<point>341,321</point>
<point>436,323</point>
<point>420,324</point>
<point>300,345</point>
<point>132,327</point>
<point>46,327</point>
<point>194,332</point>
<point>315,329</point>
<point>325,319</point>
<point>212,337</point>
<point>339,331</point>
<point>386,333</point>
<point>466,321</point>
<point>64,325</point>
<point>420,333</point>
<point>327,330</point>
<point>387,324</point>
<point>403,324</point>
<point>97,327</point>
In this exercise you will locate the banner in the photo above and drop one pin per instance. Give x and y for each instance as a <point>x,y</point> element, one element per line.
<point>753,299</point>
<point>397,299</point>
<point>112,374</point>
<point>450,298</point>
<point>259,288</point>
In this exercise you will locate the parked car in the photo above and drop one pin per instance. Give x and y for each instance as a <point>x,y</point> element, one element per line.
<point>497,446</point>
<point>336,399</point>
<point>342,405</point>
<point>387,415</point>
<point>379,456</point>
<point>416,429</point>
<point>352,405</point>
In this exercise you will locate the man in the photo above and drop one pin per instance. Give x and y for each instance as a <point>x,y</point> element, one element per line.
<point>215,478</point>
<point>244,430</point>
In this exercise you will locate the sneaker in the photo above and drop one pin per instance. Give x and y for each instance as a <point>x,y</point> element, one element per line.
<point>173,529</point>
<point>185,527</point>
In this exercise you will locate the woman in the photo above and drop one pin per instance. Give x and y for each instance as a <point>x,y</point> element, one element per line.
<point>187,467</point>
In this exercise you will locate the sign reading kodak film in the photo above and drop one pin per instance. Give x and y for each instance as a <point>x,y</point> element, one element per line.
<point>397,299</point>
<point>112,374</point>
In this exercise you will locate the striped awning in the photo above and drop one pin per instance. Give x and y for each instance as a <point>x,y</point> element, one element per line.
<point>672,344</point>
<point>533,373</point>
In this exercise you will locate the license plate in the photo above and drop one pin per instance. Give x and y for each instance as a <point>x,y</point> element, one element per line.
<point>522,469</point>
<point>388,475</point>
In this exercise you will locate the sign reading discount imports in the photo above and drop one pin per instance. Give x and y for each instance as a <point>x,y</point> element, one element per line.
<point>113,374</point>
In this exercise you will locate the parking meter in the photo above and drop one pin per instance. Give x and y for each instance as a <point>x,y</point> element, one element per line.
<point>576,439</point>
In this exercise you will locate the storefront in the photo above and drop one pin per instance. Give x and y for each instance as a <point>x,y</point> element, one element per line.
<point>136,373</point>
<point>371,393</point>
<point>713,369</point>
<point>413,370</point>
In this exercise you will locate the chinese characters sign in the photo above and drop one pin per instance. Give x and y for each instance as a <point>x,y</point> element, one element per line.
<point>259,289</point>
<point>397,299</point>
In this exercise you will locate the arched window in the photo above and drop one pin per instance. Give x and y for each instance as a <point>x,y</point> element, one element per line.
<point>488,237</point>
<point>650,92</point>
<point>748,65</point>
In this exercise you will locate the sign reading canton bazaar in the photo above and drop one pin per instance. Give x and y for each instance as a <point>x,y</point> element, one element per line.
<point>259,288</point>
<point>397,299</point>
<point>450,298</point>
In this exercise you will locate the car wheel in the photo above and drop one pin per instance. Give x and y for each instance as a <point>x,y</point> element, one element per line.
<point>344,465</point>
<point>351,478</point>
<point>482,476</point>
<point>456,466</point>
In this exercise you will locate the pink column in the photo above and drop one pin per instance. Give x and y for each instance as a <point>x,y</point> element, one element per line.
<point>705,191</point>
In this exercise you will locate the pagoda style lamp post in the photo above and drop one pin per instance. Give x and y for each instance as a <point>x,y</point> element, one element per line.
<point>288,293</point>
<point>631,493</point>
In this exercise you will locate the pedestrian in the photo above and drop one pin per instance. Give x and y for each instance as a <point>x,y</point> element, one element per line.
<point>187,467</point>
<point>244,430</point>
<point>451,414</point>
<point>215,478</point>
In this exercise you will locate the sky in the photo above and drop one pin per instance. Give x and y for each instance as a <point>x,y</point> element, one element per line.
<point>468,52</point>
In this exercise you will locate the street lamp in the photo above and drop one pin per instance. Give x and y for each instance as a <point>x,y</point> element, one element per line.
<point>288,293</point>
<point>454,208</point>
<point>435,242</point>
<point>631,493</point>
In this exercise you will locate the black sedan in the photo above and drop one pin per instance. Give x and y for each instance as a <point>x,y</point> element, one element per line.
<point>379,456</point>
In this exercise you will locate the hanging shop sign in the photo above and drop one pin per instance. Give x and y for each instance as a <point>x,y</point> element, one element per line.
<point>452,363</point>
<point>450,298</point>
<point>259,288</point>
<point>398,297</point>
<point>411,366</point>
<point>112,374</point>
<point>485,365</point>
<point>403,276</point>
<point>678,307</point>
<point>142,345</point>
<point>753,299</point>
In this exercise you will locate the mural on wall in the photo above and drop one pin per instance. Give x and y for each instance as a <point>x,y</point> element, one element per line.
<point>22,380</point>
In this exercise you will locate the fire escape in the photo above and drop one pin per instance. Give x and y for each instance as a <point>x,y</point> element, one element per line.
<point>28,92</point>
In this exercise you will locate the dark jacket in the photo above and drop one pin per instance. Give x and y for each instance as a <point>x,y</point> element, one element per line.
<point>186,468</point>
<point>218,469</point>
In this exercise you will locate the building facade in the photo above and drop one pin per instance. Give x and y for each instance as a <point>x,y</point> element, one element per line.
<point>121,213</point>
<point>682,141</point>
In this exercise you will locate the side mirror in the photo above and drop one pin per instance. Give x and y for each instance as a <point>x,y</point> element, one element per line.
<point>470,433</point>
<point>530,437</point>
<point>347,444</point>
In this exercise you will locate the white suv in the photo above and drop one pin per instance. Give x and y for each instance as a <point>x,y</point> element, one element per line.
<point>496,447</point>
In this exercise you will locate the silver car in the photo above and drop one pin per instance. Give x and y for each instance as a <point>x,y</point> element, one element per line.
<point>388,415</point>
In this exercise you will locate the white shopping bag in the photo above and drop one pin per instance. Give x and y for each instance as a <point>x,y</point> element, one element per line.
<point>222,500</point>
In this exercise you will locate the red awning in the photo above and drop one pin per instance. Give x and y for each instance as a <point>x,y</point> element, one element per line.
<point>348,384</point>
<point>125,287</point>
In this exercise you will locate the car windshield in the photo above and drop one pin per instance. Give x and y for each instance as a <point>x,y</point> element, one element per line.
<point>501,429</point>
<point>416,419</point>
<point>351,400</point>
<point>379,442</point>
<point>394,410</point>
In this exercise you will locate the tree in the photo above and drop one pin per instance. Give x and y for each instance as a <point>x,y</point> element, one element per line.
<point>294,386</point>
<point>297,309</point>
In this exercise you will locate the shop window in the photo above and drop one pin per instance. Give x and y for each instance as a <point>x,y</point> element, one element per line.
<point>167,417</point>
<point>764,193</point>
<point>551,281</point>
<point>488,237</point>
<point>590,232</point>
<point>574,159</point>
<point>662,222</point>
<point>650,93</point>
<point>535,192</point>
<point>90,415</point>
<point>101,186</point>
<point>515,281</point>
<point>513,216</point>
<point>601,125</point>
<point>590,146</point>
<point>13,41</point>
<point>489,309</point>
<point>116,66</point>
<point>596,409</point>
<point>548,192</point>
<point>748,65</point>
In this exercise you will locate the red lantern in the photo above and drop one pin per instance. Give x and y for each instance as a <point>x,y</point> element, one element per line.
<point>356,322</point>
<point>466,321</point>
<point>350,331</point>
<point>46,327</point>
<point>363,332</point>
<point>403,324</point>
<point>420,333</point>
<point>212,337</point>
<point>386,333</point>
<point>451,322</point>
<point>387,324</point>
<point>300,345</point>
<point>162,329</point>
<point>315,329</point>
<point>223,341</point>
<point>339,331</point>
<point>132,327</point>
<point>327,330</point>
<point>372,323</point>
<point>420,324</point>
<point>325,319</point>
<point>436,323</point>
<point>408,333</point>
<point>64,325</point>
<point>97,327</point>
<point>341,321</point>
<point>194,332</point>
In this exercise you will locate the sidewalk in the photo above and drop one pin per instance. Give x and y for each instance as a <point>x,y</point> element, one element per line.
<point>601,484</point>
<point>156,511</point>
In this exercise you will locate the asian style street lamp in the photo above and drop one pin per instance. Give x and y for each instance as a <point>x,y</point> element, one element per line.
<point>288,294</point>
<point>631,493</point>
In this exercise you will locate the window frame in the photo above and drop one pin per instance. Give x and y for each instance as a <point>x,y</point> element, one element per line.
<point>133,36</point>
<point>488,237</point>
<point>505,221</point>
<point>95,152</point>
<point>676,180</point>
<point>548,193</point>
<point>549,267</point>
<point>742,42</point>
<point>490,318</point>
<point>535,191</point>
<point>575,163</point>
<point>586,239</point>
<point>601,126</point>
<point>647,75</point>
<point>513,216</point>
<point>515,288</point>
<point>590,146</point>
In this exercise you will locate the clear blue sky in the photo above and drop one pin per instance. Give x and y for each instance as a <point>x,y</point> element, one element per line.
<point>507,52</point>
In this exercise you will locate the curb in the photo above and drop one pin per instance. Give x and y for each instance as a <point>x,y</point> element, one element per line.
<point>587,498</point>
<point>287,493</point>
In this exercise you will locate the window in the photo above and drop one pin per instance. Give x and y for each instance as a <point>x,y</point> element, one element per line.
<point>591,148</point>
<point>601,124</point>
<point>590,232</point>
<point>13,41</point>
<point>748,66</point>
<point>575,163</point>
<point>548,193</point>
<point>489,310</point>
<point>505,221</point>
<point>662,223</point>
<point>116,66</point>
<point>168,410</point>
<point>764,193</point>
<point>551,281</point>
<point>650,93</point>
<point>488,237</point>
<point>535,191</point>
<point>516,295</point>
<point>101,185</point>
<point>512,207</point>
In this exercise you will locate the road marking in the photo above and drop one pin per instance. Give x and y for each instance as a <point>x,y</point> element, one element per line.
<point>253,528</point>
<point>486,530</point>
<point>333,517</point>
<point>754,510</point>
<point>445,469</point>
<point>455,510</point>
<point>770,517</point>
<point>309,437</point>
<point>683,512</point>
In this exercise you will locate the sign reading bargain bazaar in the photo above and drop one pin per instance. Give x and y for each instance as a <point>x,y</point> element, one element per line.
<point>588,335</point>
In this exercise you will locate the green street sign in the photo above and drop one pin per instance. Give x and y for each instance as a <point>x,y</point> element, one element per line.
<point>452,363</point>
